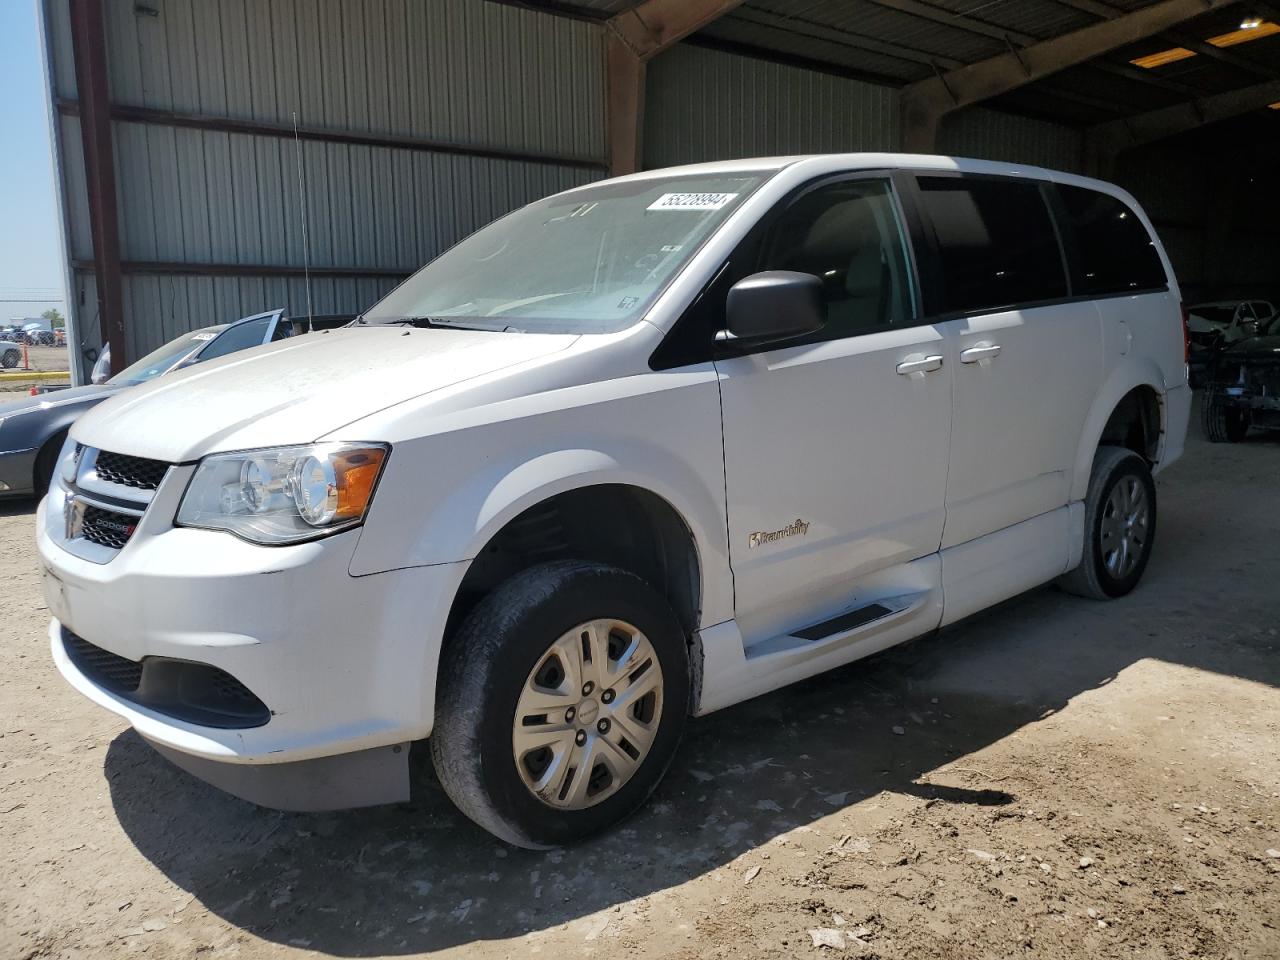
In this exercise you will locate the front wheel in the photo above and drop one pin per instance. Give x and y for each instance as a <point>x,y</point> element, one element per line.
<point>561,701</point>
<point>1119,526</point>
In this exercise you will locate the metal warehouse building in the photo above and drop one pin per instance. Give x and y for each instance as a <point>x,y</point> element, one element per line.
<point>212,152</point>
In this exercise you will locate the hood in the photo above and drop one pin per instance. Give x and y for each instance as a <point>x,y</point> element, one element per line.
<point>298,390</point>
<point>57,398</point>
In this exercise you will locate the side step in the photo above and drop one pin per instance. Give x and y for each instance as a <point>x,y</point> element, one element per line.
<point>846,628</point>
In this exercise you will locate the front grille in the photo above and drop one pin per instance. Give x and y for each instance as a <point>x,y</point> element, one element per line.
<point>198,693</point>
<point>108,670</point>
<point>137,472</point>
<point>106,527</point>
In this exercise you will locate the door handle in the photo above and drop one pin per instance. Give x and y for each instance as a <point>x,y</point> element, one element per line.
<point>988,351</point>
<point>925,365</point>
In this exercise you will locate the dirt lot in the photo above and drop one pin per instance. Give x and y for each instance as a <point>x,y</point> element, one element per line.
<point>1057,778</point>
<point>41,359</point>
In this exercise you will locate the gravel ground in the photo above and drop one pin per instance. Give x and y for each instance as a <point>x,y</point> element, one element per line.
<point>51,359</point>
<point>1056,778</point>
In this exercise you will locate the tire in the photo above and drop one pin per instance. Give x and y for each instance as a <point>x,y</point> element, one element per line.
<point>506,648</point>
<point>1221,422</point>
<point>47,462</point>
<point>1119,476</point>
<point>9,359</point>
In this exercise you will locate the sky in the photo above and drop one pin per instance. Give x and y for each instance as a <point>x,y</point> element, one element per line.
<point>30,240</point>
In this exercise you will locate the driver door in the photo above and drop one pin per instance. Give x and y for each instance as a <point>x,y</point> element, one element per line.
<point>836,445</point>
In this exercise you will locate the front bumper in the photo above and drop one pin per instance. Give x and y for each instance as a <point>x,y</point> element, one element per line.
<point>17,472</point>
<point>344,664</point>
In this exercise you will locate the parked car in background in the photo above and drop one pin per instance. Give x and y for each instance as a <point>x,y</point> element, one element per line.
<point>1213,326</point>
<point>286,327</point>
<point>1242,386</point>
<point>38,333</point>
<point>11,333</point>
<point>652,446</point>
<point>33,429</point>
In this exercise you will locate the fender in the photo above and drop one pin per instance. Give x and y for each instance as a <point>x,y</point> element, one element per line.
<point>473,489</point>
<point>1130,373</point>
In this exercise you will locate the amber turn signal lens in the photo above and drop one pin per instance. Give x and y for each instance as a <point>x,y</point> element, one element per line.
<point>356,472</point>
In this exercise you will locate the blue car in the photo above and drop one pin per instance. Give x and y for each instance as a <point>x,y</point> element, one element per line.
<point>33,429</point>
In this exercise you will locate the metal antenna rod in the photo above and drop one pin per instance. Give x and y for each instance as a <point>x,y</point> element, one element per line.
<point>306,240</point>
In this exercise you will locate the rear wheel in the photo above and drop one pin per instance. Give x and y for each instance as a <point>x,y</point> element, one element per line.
<point>1119,526</point>
<point>561,702</point>
<point>9,359</point>
<point>1221,421</point>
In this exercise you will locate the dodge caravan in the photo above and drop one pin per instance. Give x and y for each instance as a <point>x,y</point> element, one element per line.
<point>634,452</point>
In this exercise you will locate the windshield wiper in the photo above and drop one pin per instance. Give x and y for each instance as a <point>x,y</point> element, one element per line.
<point>437,323</point>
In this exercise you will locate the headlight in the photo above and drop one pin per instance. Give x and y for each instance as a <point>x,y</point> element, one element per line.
<point>284,495</point>
<point>69,461</point>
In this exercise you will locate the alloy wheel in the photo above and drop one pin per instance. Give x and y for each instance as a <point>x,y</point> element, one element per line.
<point>1126,519</point>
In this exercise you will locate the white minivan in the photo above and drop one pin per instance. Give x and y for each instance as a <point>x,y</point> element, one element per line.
<point>636,451</point>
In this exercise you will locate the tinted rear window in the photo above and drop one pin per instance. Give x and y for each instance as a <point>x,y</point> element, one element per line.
<point>1111,251</point>
<point>996,242</point>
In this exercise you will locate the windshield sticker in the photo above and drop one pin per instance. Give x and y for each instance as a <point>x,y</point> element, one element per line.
<point>204,336</point>
<point>692,201</point>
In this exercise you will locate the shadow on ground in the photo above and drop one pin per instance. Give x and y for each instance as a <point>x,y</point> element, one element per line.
<point>419,877</point>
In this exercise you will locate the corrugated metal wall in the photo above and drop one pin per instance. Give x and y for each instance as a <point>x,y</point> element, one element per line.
<point>991,135</point>
<point>483,75</point>
<point>703,104</point>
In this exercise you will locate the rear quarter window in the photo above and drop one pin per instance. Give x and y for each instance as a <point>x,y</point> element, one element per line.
<point>1109,248</point>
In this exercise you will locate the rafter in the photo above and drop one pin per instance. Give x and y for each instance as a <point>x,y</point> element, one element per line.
<point>1104,142</point>
<point>926,102</point>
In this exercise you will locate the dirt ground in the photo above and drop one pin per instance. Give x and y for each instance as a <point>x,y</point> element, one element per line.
<point>41,359</point>
<point>1056,778</point>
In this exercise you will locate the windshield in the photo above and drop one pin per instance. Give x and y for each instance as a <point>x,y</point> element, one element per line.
<point>1207,318</point>
<point>163,360</point>
<point>587,262</point>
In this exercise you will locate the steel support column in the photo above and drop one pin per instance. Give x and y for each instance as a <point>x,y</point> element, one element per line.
<point>89,46</point>
<point>632,39</point>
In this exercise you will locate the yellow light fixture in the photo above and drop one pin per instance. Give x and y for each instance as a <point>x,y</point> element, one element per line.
<point>1257,30</point>
<point>1275,106</point>
<point>1250,29</point>
<point>1164,56</point>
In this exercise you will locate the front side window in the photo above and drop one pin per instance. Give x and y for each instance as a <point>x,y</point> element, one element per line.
<point>592,261</point>
<point>242,336</point>
<point>1111,249</point>
<point>848,235</point>
<point>996,243</point>
<point>165,358</point>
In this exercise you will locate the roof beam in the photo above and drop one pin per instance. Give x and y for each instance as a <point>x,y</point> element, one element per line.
<point>1176,38</point>
<point>925,103</point>
<point>655,25</point>
<point>1106,140</point>
<point>632,38</point>
<point>982,28</point>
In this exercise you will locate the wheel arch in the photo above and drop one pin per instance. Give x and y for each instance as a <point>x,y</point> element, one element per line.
<point>621,524</point>
<point>1129,411</point>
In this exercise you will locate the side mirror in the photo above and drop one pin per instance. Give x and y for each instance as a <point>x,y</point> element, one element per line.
<point>775,305</point>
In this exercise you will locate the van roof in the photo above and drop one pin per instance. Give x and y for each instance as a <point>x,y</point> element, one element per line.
<point>872,161</point>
